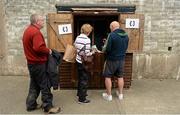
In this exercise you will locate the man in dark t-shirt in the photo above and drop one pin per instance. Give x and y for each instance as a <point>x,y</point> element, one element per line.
<point>115,49</point>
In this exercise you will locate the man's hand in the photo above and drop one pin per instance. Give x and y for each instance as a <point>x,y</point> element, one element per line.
<point>50,51</point>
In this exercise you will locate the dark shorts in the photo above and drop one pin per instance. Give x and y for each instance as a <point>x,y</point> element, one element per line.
<point>113,68</point>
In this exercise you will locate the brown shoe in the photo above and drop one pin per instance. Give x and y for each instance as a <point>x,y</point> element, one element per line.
<point>54,110</point>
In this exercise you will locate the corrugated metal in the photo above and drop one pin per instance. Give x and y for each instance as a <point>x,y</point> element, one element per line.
<point>128,70</point>
<point>68,74</point>
<point>65,70</point>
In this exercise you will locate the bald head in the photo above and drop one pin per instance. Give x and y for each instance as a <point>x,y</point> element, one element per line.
<point>114,25</point>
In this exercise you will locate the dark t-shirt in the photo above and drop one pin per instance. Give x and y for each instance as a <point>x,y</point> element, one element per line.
<point>117,45</point>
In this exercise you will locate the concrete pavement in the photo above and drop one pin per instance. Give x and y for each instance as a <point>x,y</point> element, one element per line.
<point>146,96</point>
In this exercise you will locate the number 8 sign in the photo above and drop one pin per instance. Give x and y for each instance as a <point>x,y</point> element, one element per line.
<point>132,23</point>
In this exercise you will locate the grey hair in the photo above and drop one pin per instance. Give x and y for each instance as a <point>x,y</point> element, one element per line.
<point>34,18</point>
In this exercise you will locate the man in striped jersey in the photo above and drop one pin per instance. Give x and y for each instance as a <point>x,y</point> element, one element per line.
<point>83,46</point>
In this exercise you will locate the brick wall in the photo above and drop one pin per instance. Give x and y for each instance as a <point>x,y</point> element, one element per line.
<point>162,28</point>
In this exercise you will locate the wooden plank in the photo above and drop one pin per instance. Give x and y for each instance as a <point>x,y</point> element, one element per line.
<point>135,34</point>
<point>55,40</point>
<point>50,33</point>
<point>120,8</point>
<point>59,42</point>
<point>94,9</point>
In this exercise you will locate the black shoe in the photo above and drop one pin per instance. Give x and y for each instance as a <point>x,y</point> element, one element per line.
<point>38,106</point>
<point>84,101</point>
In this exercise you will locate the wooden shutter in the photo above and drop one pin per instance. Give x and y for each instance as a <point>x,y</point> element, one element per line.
<point>55,40</point>
<point>135,34</point>
<point>59,42</point>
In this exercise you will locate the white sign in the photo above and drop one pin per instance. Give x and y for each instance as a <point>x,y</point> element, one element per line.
<point>64,28</point>
<point>132,23</point>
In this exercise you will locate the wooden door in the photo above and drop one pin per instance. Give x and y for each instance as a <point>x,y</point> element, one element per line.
<point>59,42</point>
<point>55,40</point>
<point>135,34</point>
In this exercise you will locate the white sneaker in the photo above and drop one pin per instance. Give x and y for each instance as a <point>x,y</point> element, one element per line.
<point>120,96</point>
<point>107,97</point>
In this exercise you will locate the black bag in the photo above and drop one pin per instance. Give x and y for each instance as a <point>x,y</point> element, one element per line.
<point>87,61</point>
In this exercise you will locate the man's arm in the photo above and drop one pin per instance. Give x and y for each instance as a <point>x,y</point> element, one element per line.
<point>39,45</point>
<point>127,43</point>
<point>105,44</point>
<point>109,44</point>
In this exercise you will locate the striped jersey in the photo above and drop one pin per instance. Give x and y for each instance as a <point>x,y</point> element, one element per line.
<point>83,46</point>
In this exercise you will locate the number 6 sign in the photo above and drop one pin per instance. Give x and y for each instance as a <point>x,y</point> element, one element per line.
<point>132,23</point>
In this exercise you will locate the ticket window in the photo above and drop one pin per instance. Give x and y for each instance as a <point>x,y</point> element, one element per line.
<point>100,27</point>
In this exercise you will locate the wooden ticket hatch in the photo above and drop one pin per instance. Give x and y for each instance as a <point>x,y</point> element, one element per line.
<point>100,18</point>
